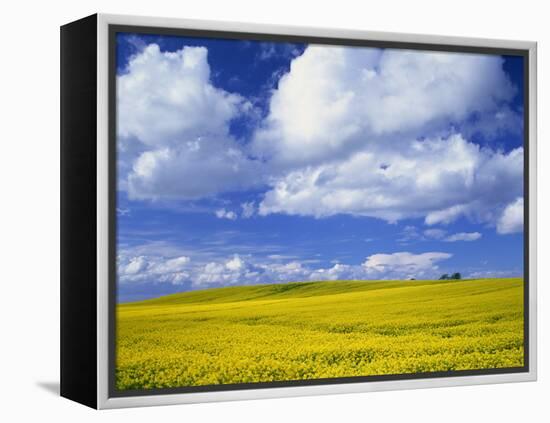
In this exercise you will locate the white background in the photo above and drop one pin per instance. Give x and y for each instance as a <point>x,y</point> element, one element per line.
<point>29,211</point>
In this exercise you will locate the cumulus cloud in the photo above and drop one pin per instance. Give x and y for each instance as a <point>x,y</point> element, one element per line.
<point>173,128</point>
<point>245,270</point>
<point>359,131</point>
<point>404,264</point>
<point>511,220</point>
<point>340,271</point>
<point>164,95</point>
<point>235,264</point>
<point>445,216</point>
<point>135,265</point>
<point>377,133</point>
<point>335,100</point>
<point>155,269</point>
<point>195,169</point>
<point>439,179</point>
<point>227,272</point>
<point>463,236</point>
<point>225,214</point>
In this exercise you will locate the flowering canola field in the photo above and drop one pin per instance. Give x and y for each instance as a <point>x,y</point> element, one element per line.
<point>312,330</point>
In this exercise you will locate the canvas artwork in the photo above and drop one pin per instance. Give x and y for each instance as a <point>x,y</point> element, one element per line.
<point>294,213</point>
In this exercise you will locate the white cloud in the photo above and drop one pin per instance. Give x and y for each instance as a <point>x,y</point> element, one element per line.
<point>446,216</point>
<point>164,96</point>
<point>463,236</point>
<point>225,272</point>
<point>404,264</point>
<point>214,273</point>
<point>225,214</point>
<point>195,169</point>
<point>136,269</point>
<point>239,270</point>
<point>366,132</point>
<point>135,265</point>
<point>339,271</point>
<point>435,233</point>
<point>281,256</point>
<point>290,271</point>
<point>235,263</point>
<point>248,209</point>
<point>439,179</point>
<point>511,220</point>
<point>172,265</point>
<point>173,128</point>
<point>335,100</point>
<point>411,233</point>
<point>194,271</point>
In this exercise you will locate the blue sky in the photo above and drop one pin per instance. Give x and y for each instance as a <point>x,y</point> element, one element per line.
<point>243,162</point>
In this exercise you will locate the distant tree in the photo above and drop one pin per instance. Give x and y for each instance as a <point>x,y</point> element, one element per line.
<point>444,277</point>
<point>456,276</point>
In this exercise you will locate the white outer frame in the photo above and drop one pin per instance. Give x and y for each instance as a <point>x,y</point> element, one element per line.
<point>103,399</point>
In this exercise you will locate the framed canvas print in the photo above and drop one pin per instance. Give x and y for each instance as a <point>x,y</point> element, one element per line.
<point>254,211</point>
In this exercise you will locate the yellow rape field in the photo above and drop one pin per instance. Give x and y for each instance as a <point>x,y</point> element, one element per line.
<point>314,330</point>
